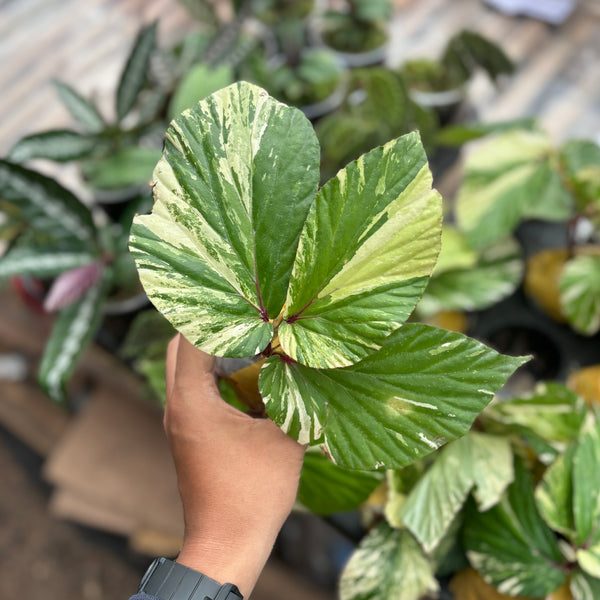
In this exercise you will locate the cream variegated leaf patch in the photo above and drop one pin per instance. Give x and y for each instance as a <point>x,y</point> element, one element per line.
<point>241,248</point>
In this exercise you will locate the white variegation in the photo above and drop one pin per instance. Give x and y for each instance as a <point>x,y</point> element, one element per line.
<point>27,261</point>
<point>579,287</point>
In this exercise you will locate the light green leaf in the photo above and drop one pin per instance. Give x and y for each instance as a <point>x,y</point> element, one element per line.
<point>39,263</point>
<point>510,178</point>
<point>579,287</point>
<point>82,110</point>
<point>456,135</point>
<point>123,168</point>
<point>589,560</point>
<point>478,462</point>
<point>554,494</point>
<point>421,390</point>
<point>60,145</point>
<point>552,412</point>
<point>326,488</point>
<point>388,565</point>
<point>198,83</point>
<point>365,255</point>
<point>39,197</point>
<point>135,72</point>
<point>455,253</point>
<point>586,486</point>
<point>511,546</point>
<point>496,275</point>
<point>238,176</point>
<point>73,329</point>
<point>584,587</point>
<point>581,161</point>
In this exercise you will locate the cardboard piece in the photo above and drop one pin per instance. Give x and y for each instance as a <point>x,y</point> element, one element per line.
<point>115,459</point>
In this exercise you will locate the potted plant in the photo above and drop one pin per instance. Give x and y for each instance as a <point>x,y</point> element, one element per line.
<point>358,32</point>
<point>440,84</point>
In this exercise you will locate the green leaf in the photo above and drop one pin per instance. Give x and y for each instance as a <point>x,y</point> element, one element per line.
<point>581,161</point>
<point>510,178</point>
<point>455,253</point>
<point>135,72</point>
<point>388,564</point>
<point>326,488</point>
<point>73,330</point>
<point>82,110</point>
<point>201,81</point>
<point>478,462</point>
<point>586,487</point>
<point>553,412</point>
<point>421,390</point>
<point>456,135</point>
<point>584,587</point>
<point>496,275</point>
<point>123,168</point>
<point>39,263</point>
<point>370,242</point>
<point>579,287</point>
<point>554,494</point>
<point>238,176</point>
<point>61,145</point>
<point>511,546</point>
<point>37,196</point>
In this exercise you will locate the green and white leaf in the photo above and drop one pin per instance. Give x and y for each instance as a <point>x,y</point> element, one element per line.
<point>511,546</point>
<point>127,167</point>
<point>584,587</point>
<point>589,560</point>
<point>135,73</point>
<point>554,495</point>
<point>73,329</point>
<point>388,565</point>
<point>479,462</point>
<point>367,250</point>
<point>233,189</point>
<point>42,199</point>
<point>61,145</point>
<point>422,389</point>
<point>326,488</point>
<point>39,263</point>
<point>82,110</point>
<point>496,275</point>
<point>510,178</point>
<point>586,487</point>
<point>552,412</point>
<point>579,287</point>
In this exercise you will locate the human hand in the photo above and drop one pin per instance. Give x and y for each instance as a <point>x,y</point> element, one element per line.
<point>237,476</point>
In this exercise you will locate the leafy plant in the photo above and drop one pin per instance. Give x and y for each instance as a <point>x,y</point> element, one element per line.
<point>474,502</point>
<point>465,53</point>
<point>245,256</point>
<point>359,27</point>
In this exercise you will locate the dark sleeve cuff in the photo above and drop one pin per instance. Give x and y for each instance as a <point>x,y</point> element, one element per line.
<point>143,596</point>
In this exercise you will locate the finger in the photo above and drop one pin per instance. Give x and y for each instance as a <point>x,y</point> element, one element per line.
<point>194,368</point>
<point>171,361</point>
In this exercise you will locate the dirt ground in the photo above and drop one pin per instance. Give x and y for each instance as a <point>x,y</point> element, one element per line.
<point>44,558</point>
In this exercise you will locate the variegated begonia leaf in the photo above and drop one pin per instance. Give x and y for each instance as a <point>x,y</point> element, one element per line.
<point>240,247</point>
<point>422,389</point>
<point>509,178</point>
<point>579,286</point>
<point>233,189</point>
<point>365,256</point>
<point>389,564</point>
